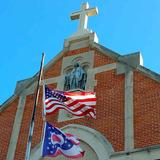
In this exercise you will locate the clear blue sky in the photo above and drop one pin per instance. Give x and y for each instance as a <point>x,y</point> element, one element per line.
<point>29,27</point>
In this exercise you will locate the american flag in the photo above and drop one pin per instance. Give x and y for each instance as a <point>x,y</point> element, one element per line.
<point>55,143</point>
<point>76,103</point>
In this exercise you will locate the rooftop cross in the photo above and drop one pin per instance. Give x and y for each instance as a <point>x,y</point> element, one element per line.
<point>83,16</point>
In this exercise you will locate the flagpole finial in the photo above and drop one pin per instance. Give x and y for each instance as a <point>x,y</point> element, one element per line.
<point>43,54</point>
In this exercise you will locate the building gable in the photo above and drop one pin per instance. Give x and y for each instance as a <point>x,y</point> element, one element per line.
<point>127,122</point>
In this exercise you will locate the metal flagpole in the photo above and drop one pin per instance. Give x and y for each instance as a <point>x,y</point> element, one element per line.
<point>43,100</point>
<point>34,111</point>
<point>43,117</point>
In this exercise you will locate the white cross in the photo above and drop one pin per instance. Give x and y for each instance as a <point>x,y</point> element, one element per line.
<point>83,16</point>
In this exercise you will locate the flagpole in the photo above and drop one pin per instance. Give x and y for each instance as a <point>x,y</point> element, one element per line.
<point>43,100</point>
<point>29,142</point>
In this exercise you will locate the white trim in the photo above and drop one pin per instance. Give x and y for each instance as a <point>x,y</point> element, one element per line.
<point>147,153</point>
<point>129,129</point>
<point>16,128</point>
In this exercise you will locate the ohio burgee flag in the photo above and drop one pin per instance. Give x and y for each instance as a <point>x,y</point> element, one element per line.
<point>55,142</point>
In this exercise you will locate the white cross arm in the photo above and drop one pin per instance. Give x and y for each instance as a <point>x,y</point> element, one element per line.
<point>92,11</point>
<point>89,12</point>
<point>75,15</point>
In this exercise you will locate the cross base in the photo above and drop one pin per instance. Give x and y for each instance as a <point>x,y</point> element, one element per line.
<point>79,40</point>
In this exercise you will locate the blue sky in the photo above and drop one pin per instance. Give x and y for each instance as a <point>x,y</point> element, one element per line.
<point>29,27</point>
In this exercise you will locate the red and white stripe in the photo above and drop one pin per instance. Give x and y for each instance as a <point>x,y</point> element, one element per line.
<point>78,104</point>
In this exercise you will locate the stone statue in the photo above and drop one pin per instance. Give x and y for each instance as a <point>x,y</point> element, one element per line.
<point>67,82</point>
<point>76,78</point>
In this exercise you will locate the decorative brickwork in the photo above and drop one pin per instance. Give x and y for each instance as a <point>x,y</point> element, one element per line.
<point>146,111</point>
<point>77,51</point>
<point>100,59</point>
<point>6,124</point>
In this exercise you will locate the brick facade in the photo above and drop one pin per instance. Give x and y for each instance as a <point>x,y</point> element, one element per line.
<point>53,70</point>
<point>7,117</point>
<point>110,107</point>
<point>24,130</point>
<point>77,51</point>
<point>110,90</point>
<point>146,111</point>
<point>100,59</point>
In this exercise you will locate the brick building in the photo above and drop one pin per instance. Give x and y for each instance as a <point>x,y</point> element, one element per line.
<point>127,126</point>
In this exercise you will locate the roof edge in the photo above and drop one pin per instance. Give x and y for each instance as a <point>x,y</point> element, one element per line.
<point>7,102</point>
<point>121,59</point>
<point>22,84</point>
<point>149,73</point>
<point>116,56</point>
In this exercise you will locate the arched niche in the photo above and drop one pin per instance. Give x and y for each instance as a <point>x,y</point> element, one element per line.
<point>96,146</point>
<point>75,77</point>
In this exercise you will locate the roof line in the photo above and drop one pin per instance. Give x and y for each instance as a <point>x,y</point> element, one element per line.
<point>34,78</point>
<point>102,49</point>
<point>118,57</point>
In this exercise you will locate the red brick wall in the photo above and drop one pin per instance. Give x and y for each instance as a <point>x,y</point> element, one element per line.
<point>108,117</point>
<point>38,122</point>
<point>110,108</point>
<point>110,111</point>
<point>100,59</point>
<point>6,125</point>
<point>54,70</point>
<point>101,106</point>
<point>146,111</point>
<point>77,51</point>
<point>24,130</point>
<point>38,119</point>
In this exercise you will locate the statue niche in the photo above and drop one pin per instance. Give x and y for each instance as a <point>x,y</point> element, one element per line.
<point>76,79</point>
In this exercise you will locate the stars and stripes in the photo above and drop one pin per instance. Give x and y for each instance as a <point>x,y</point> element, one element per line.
<point>76,103</point>
<point>55,142</point>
